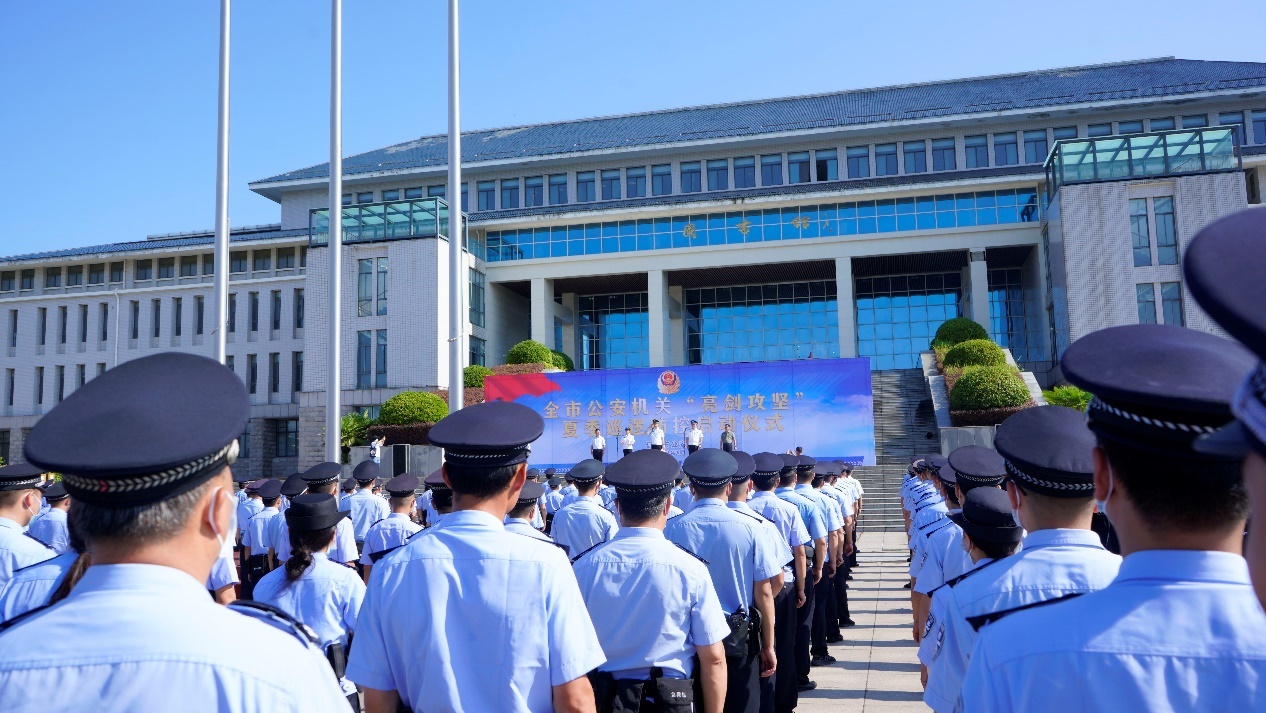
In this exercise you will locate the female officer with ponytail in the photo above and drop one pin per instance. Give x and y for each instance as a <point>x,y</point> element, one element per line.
<point>324,595</point>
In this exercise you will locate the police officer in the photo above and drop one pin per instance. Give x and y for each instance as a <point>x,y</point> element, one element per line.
<point>50,528</point>
<point>742,561</point>
<point>584,523</point>
<point>365,508</point>
<point>246,509</point>
<point>441,497</point>
<point>293,486</point>
<point>682,497</point>
<point>834,540</point>
<point>627,441</point>
<point>256,540</point>
<point>346,490</point>
<point>569,490</point>
<point>815,523</point>
<point>393,531</point>
<point>1050,486</point>
<point>597,446</point>
<point>1182,601</point>
<point>519,519</point>
<point>35,585</point>
<point>436,616</point>
<point>837,613</point>
<point>694,437</point>
<point>657,435</point>
<point>848,483</point>
<point>154,502</point>
<point>320,478</point>
<point>553,501</point>
<point>20,497</point>
<point>654,605</point>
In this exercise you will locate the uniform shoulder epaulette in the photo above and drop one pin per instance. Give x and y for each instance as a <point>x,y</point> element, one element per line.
<point>979,621</point>
<point>674,517</point>
<point>683,549</point>
<point>375,556</point>
<point>33,537</point>
<point>419,532</point>
<point>752,515</point>
<point>940,525</point>
<point>970,572</point>
<point>279,620</point>
<point>41,562</point>
<point>6,625</point>
<point>582,554</point>
<point>544,542</point>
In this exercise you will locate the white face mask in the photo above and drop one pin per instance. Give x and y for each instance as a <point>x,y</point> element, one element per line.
<point>1103,504</point>
<point>226,543</point>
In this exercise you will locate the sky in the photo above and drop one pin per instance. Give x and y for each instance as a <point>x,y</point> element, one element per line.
<point>108,109</point>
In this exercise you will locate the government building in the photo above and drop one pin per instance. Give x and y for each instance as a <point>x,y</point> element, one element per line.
<point>1044,205</point>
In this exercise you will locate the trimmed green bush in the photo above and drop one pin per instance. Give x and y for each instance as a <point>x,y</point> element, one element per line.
<point>562,361</point>
<point>985,387</point>
<point>473,376</point>
<point>412,407</point>
<point>529,352</point>
<point>958,330</point>
<point>975,352</point>
<point>1069,396</point>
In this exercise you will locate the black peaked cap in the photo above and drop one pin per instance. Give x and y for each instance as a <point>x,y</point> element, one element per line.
<point>488,435</point>
<point>746,466</point>
<point>365,471</point>
<point>1047,449</point>
<point>977,465</point>
<point>587,471</point>
<point>644,472</point>
<point>986,517</point>
<point>294,485</point>
<point>710,466</point>
<point>314,511</point>
<point>402,485</point>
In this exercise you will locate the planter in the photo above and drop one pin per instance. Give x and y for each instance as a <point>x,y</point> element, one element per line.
<point>965,428</point>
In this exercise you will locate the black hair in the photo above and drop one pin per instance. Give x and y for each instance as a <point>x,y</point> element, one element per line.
<point>269,502</point>
<point>765,482</point>
<point>786,478</point>
<point>523,511</point>
<point>442,499</point>
<point>951,495</point>
<point>638,508</point>
<point>399,500</point>
<point>480,482</point>
<point>708,491</point>
<point>1179,494</point>
<point>302,544</point>
<point>997,550</point>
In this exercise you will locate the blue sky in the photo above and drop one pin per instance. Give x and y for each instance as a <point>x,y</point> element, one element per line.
<point>107,128</point>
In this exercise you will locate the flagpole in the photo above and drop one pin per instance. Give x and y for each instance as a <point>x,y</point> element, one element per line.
<point>221,254</point>
<point>456,256</point>
<point>333,387</point>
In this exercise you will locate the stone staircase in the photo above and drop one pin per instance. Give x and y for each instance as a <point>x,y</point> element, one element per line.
<point>905,426</point>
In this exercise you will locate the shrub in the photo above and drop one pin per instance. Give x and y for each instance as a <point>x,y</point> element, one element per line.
<point>959,329</point>
<point>562,361</point>
<point>989,387</point>
<point>529,352</point>
<point>412,407</point>
<point>473,376</point>
<point>975,352</point>
<point>470,396</point>
<point>519,369</point>
<point>1069,396</point>
<point>413,434</point>
<point>353,430</point>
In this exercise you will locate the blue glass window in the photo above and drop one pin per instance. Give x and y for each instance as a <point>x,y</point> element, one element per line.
<point>858,161</point>
<point>916,156</point>
<point>798,167</point>
<point>662,179</point>
<point>1195,121</point>
<point>745,172</point>
<point>745,323</point>
<point>363,354</point>
<point>1171,303</point>
<point>1139,233</point>
<point>1066,132</point>
<point>558,189</point>
<point>976,149</point>
<point>1094,130</point>
<point>1234,119</point>
<point>827,165</point>
<point>1166,240</point>
<point>719,175</point>
<point>943,155</point>
<point>509,193</point>
<point>1035,148</point>
<point>611,184</point>
<point>411,194</point>
<point>886,160</point>
<point>585,187</point>
<point>613,331</point>
<point>771,170</point>
<point>1008,323</point>
<point>1259,127</point>
<point>486,193</point>
<point>691,177</point>
<point>1005,150</point>
<point>1165,123</point>
<point>635,181</point>
<point>380,362</point>
<point>1145,295</point>
<point>391,195</point>
<point>1130,127</point>
<point>897,315</point>
<point>366,197</point>
<point>534,191</point>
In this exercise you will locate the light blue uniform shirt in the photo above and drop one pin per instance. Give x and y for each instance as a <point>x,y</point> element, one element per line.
<point>737,553</point>
<point>326,597</point>
<point>524,527</point>
<point>18,549</point>
<point>223,573</point>
<point>683,498</point>
<point>834,521</point>
<point>776,540</point>
<point>1177,630</point>
<point>665,601</point>
<point>52,530</point>
<point>553,501</point>
<point>786,518</point>
<point>259,531</point>
<point>32,586</point>
<point>936,547</point>
<point>464,600</point>
<point>931,519</point>
<point>367,509</point>
<point>582,525</point>
<point>426,503</point>
<point>343,549</point>
<point>388,534</point>
<point>1053,563</point>
<point>607,493</point>
<point>142,637</point>
<point>810,514</point>
<point>242,496</point>
<point>537,521</point>
<point>568,489</point>
<point>246,510</point>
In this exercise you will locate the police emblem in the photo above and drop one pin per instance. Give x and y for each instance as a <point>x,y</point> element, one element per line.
<point>931,622</point>
<point>669,382</point>
<point>940,639</point>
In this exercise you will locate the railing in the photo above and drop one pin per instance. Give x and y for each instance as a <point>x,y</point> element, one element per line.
<point>1163,153</point>
<point>372,222</point>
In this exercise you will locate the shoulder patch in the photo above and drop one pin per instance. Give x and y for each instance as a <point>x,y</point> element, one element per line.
<point>979,621</point>
<point>970,572</point>
<point>683,549</point>
<point>279,620</point>
<point>940,641</point>
<point>5,626</point>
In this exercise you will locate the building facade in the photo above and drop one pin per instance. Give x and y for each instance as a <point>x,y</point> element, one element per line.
<point>1044,205</point>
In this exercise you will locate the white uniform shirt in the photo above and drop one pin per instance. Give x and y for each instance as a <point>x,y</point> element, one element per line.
<point>598,444</point>
<point>657,436</point>
<point>694,437</point>
<point>366,509</point>
<point>627,441</point>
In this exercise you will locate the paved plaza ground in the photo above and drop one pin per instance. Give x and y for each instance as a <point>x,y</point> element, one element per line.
<point>877,670</point>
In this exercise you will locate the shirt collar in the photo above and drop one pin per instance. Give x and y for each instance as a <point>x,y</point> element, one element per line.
<point>646,532</point>
<point>762,494</point>
<point>735,505</point>
<point>710,503</point>
<point>801,487</point>
<point>1184,565</point>
<point>521,520</point>
<point>404,515</point>
<point>6,522</point>
<point>785,489</point>
<point>321,555</point>
<point>147,578</point>
<point>1060,536</point>
<point>473,518</point>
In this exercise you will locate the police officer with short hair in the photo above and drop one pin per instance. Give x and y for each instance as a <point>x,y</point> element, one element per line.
<point>653,604</point>
<point>366,509</point>
<point>292,487</point>
<point>1179,628</point>
<point>392,532</point>
<point>153,501</point>
<point>50,528</point>
<point>256,540</point>
<point>584,523</point>
<point>815,523</point>
<point>20,498</point>
<point>439,610</point>
<point>834,520</point>
<point>519,519</point>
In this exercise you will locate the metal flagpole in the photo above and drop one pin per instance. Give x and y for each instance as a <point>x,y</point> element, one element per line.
<point>333,386</point>
<point>456,257</point>
<point>221,257</point>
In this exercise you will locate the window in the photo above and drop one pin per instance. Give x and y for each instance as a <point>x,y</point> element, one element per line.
<point>635,182</point>
<point>199,313</point>
<point>1139,233</point>
<point>976,150</point>
<point>611,184</point>
<point>1094,130</point>
<point>61,384</point>
<point>39,385</point>
<point>104,311</point>
<point>412,194</point>
<point>692,172</point>
<point>798,167</point>
<point>828,167</point>
<point>299,308</point>
<point>74,275</point>
<point>252,372</point>
<point>13,328</point>
<point>367,197</point>
<point>274,373</point>
<point>42,334</point>
<point>232,312</point>
<point>745,172</point>
<point>558,189</point>
<point>230,363</point>
<point>81,375</point>
<point>237,261</point>
<point>771,170</point>
<point>10,377</point>
<point>155,316</point>
<point>4,435</point>
<point>436,191</point>
<point>584,187</point>
<point>288,438</point>
<point>296,372</point>
<point>101,368</point>
<point>858,158</point>
<point>136,319</point>
<point>7,284</point>
<point>1130,127</point>
<point>365,288</point>
<point>364,347</point>
<point>1234,119</point>
<point>1166,241</point>
<point>63,317</point>
<point>275,312</point>
<point>1145,294</point>
<point>486,195</point>
<point>244,443</point>
<point>285,258</point>
<point>382,285</point>
<point>1067,132</point>
<point>380,362</point>
<point>916,156</point>
<point>719,175</point>
<point>477,285</point>
<point>613,331</point>
<point>1259,126</point>
<point>166,268</point>
<point>477,347</point>
<point>208,264</point>
<point>83,323</point>
<point>1035,146</point>
<point>263,260</point>
<point>943,158</point>
<point>28,280</point>
<point>177,309</point>
<point>1171,303</point>
<point>1006,151</point>
<point>662,179</point>
<point>53,277</point>
<point>96,274</point>
<point>253,306</point>
<point>189,266</point>
<point>1165,123</point>
<point>303,256</point>
<point>1195,121</point>
<point>391,195</point>
<point>886,160</point>
<point>534,191</point>
<point>509,193</point>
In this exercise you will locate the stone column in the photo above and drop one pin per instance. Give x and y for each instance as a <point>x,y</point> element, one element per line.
<point>657,303</point>
<point>979,286</point>
<point>847,312</point>
<point>543,311</point>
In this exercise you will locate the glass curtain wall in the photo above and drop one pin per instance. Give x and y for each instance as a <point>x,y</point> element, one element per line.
<point>898,314</point>
<point>614,331</point>
<point>1008,323</point>
<point>791,320</point>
